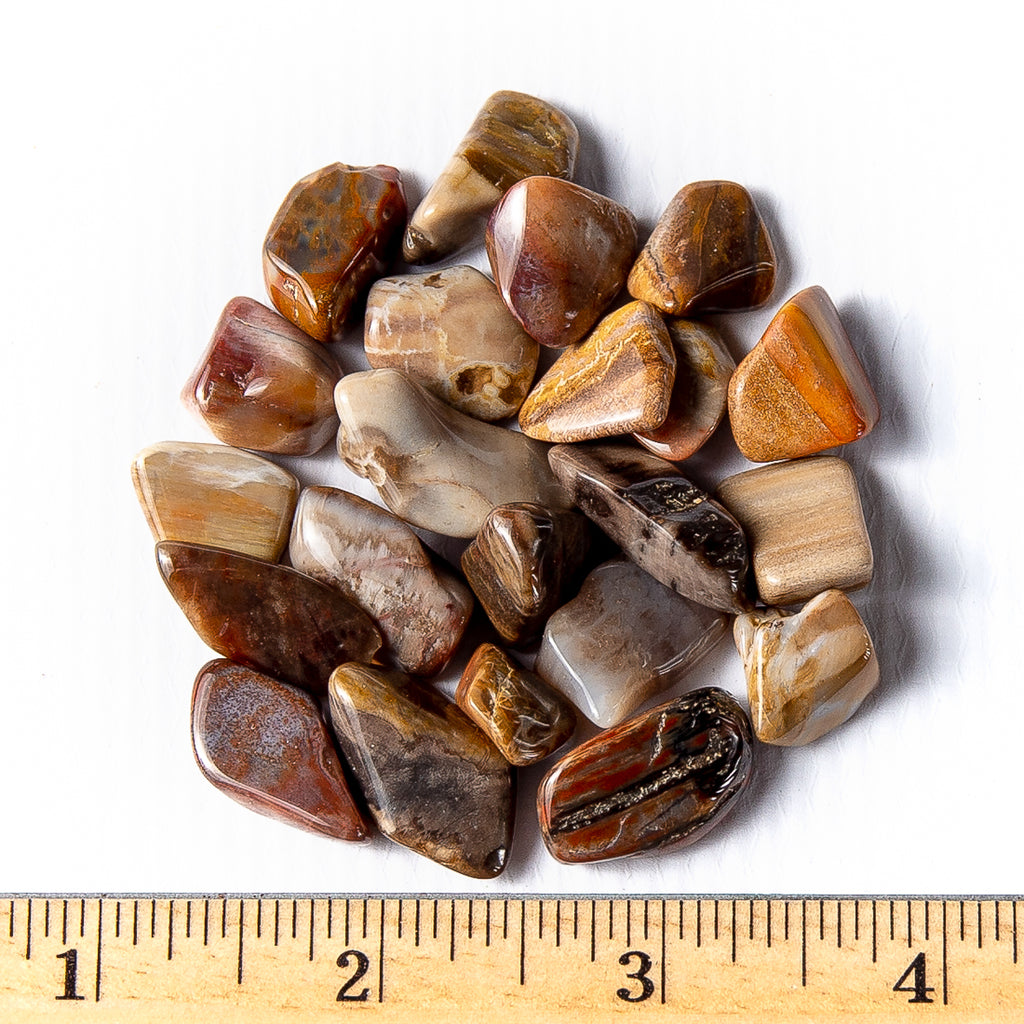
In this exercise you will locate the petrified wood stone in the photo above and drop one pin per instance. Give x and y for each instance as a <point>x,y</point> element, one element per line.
<point>699,395</point>
<point>432,780</point>
<point>513,136</point>
<point>664,777</point>
<point>801,389</point>
<point>265,616</point>
<point>709,251</point>
<point>215,495</point>
<point>451,332</point>
<point>624,638</point>
<point>336,232</point>
<point>264,744</point>
<point>617,380</point>
<point>559,254</point>
<point>436,468</point>
<point>667,525</point>
<point>806,672</point>
<point>805,527</point>
<point>264,384</point>
<point>524,717</point>
<point>376,560</point>
<point>525,562</point>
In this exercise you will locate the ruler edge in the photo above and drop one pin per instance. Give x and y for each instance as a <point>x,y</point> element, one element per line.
<point>515,896</point>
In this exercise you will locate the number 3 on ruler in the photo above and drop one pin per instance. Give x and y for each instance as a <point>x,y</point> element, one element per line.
<point>640,974</point>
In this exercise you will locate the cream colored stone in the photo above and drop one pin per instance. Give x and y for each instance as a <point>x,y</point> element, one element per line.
<point>806,672</point>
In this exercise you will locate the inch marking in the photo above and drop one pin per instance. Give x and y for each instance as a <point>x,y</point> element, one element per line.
<point>522,942</point>
<point>945,975</point>
<point>380,955</point>
<point>451,948</point>
<point>170,930</point>
<point>99,949</point>
<point>733,930</point>
<point>241,933</point>
<point>803,943</point>
<point>593,930</point>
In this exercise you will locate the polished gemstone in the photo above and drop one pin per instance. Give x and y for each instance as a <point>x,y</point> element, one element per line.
<point>524,717</point>
<point>336,232</point>
<point>559,254</point>
<point>624,638</point>
<point>512,137</point>
<point>699,394</point>
<point>215,495</point>
<point>806,672</point>
<point>663,778</point>
<point>264,616</point>
<point>805,527</point>
<point>662,521</point>
<point>435,467</point>
<point>802,389</point>
<point>264,384</point>
<point>432,780</point>
<point>264,744</point>
<point>617,380</point>
<point>525,562</point>
<point>709,251</point>
<point>451,332</point>
<point>377,561</point>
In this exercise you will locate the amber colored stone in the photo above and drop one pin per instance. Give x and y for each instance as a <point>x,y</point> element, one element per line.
<point>699,394</point>
<point>804,525</point>
<point>264,744</point>
<point>336,232</point>
<point>662,521</point>
<point>513,137</point>
<point>525,562</point>
<point>709,251</point>
<point>264,384</point>
<point>802,389</point>
<point>451,332</point>
<point>663,778</point>
<point>617,380</point>
<point>215,495</point>
<point>433,782</point>
<point>559,254</point>
<point>264,616</point>
<point>524,717</point>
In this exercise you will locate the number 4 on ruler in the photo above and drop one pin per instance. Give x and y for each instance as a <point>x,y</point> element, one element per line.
<point>919,988</point>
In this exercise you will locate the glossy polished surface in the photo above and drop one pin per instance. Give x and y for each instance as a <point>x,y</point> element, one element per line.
<point>374,559</point>
<point>264,384</point>
<point>265,616</point>
<point>436,468</point>
<point>662,521</point>
<point>624,638</point>
<point>663,778</point>
<point>215,495</point>
<point>432,780</point>
<point>337,230</point>
<point>265,745</point>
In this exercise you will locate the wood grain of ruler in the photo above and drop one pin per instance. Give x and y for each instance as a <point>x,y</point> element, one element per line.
<point>144,958</point>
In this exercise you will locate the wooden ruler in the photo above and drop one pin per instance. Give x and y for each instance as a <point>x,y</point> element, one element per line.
<point>478,958</point>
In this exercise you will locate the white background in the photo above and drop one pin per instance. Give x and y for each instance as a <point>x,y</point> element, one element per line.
<point>143,157</point>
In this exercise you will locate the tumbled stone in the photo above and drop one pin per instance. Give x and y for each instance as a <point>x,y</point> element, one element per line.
<point>624,638</point>
<point>801,389</point>
<point>524,717</point>
<point>700,392</point>
<point>433,782</point>
<point>665,777</point>
<point>264,384</point>
<point>215,495</point>
<point>376,560</point>
<point>525,562</point>
<point>559,254</point>
<point>709,251</point>
<point>336,232</point>
<point>806,672</point>
<point>435,467</point>
<point>663,522</point>
<point>264,616</point>
<point>804,525</point>
<point>513,137</point>
<point>617,380</point>
<point>264,744</point>
<point>451,332</point>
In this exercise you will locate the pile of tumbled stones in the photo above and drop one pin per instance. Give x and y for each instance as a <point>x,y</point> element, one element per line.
<point>586,545</point>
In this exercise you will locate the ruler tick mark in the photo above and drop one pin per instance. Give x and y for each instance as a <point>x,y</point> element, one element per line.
<point>750,918</point>
<point>540,921</point>
<point>575,919</point>
<point>81,919</point>
<point>380,971</point>
<point>259,920</point>
<point>487,925</point>
<point>224,918</point>
<point>733,930</point>
<point>152,919</point>
<point>469,920</point>
<point>945,978</point>
<point>522,942</point>
<point>46,918</point>
<point>347,921</point>
<point>874,933</point>
<point>435,919</point>
<point>451,947</point>
<point>99,949</point>
<point>698,922</point>
<point>416,933</point>
<point>663,969</point>
<point>997,920</point>
<point>839,924</point>
<point>979,924</point>
<point>170,929</point>
<point>366,903</point>
<point>188,919</point>
<point>135,922</point>
<point>680,919</point>
<point>629,923</point>
<point>961,920</point>
<point>926,905</point>
<point>504,926</point>
<point>206,921</point>
<point>803,943</point>
<point>295,914</point>
<point>821,920</point>
<point>892,921</point>
<point>785,923</point>
<point>1014,931</point>
<point>312,912</point>
<point>28,932</point>
<point>277,922</point>
<point>611,920</point>
<point>716,920</point>
<point>558,922</point>
<point>645,918</point>
<point>401,907</point>
<point>241,933</point>
<point>10,922</point>
<point>330,917</point>
<point>593,930</point>
<point>768,925</point>
<point>856,920</point>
